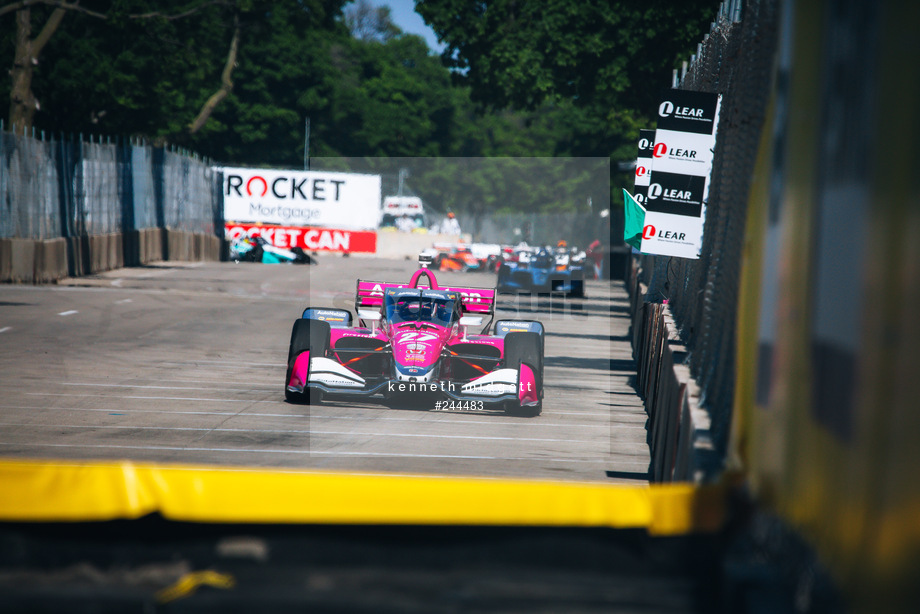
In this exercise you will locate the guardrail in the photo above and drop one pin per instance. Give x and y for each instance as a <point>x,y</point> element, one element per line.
<point>679,429</point>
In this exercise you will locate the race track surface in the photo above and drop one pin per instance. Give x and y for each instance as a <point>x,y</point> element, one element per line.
<point>185,362</point>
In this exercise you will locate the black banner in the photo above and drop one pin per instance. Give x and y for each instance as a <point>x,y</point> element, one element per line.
<point>686,111</point>
<point>676,194</point>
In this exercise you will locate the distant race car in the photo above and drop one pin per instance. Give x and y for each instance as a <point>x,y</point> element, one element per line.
<point>456,258</point>
<point>543,271</point>
<point>412,344</point>
<point>258,249</point>
<point>465,256</point>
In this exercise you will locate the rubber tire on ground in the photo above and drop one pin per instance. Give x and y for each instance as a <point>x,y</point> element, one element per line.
<point>504,274</point>
<point>580,293</point>
<point>301,257</point>
<point>312,335</point>
<point>525,348</point>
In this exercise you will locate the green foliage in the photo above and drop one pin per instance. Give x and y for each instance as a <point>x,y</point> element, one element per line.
<point>519,80</point>
<point>493,185</point>
<point>616,54</point>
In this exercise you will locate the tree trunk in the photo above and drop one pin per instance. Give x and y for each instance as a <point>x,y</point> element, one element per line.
<point>226,81</point>
<point>22,101</point>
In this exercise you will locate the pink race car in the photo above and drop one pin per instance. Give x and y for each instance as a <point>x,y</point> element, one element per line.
<point>412,344</point>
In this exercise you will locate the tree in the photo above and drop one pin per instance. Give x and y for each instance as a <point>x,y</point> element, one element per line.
<point>616,54</point>
<point>367,22</point>
<point>595,69</point>
<point>23,102</point>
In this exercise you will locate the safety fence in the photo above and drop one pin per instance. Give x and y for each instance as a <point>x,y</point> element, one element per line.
<point>69,206</point>
<point>695,301</point>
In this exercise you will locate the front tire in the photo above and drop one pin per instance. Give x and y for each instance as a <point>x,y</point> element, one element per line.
<point>525,348</point>
<point>306,335</point>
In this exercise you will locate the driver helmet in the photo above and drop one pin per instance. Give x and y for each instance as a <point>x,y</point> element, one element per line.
<point>405,310</point>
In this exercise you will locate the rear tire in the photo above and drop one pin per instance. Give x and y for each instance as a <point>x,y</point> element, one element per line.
<point>301,257</point>
<point>312,335</point>
<point>504,274</point>
<point>526,348</point>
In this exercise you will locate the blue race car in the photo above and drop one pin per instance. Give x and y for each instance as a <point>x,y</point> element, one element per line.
<point>543,271</point>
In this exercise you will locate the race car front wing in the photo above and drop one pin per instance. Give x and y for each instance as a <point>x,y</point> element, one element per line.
<point>331,377</point>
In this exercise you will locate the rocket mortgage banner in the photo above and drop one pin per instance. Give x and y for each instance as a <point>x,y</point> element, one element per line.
<point>679,181</point>
<point>301,198</point>
<point>308,239</point>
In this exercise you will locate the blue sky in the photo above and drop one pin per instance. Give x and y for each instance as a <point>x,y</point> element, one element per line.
<point>403,14</point>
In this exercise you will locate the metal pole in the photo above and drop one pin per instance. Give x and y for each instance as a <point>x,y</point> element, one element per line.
<point>306,144</point>
<point>403,172</point>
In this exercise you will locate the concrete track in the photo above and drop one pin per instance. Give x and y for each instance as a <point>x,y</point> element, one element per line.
<point>184,363</point>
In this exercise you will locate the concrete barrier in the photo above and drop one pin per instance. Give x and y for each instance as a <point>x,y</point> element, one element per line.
<point>50,261</point>
<point>32,261</point>
<point>151,245</point>
<point>106,252</point>
<point>678,428</point>
<point>40,262</point>
<point>17,260</point>
<point>394,244</point>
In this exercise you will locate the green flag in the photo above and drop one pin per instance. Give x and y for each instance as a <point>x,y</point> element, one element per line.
<point>635,220</point>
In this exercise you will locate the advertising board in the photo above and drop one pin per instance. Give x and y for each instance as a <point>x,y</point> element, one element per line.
<point>681,164</point>
<point>643,165</point>
<point>302,198</point>
<point>307,238</point>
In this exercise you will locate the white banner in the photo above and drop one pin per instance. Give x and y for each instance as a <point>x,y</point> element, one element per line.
<point>672,235</point>
<point>301,198</point>
<point>682,152</point>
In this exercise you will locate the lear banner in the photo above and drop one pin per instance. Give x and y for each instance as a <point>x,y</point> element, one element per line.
<point>302,198</point>
<point>643,165</point>
<point>679,181</point>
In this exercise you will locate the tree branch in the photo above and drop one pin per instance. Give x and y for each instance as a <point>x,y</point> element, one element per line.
<point>225,79</point>
<point>185,13</point>
<point>50,26</point>
<point>75,6</point>
<point>61,4</point>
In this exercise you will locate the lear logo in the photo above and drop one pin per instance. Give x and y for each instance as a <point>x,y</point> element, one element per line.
<point>667,108</point>
<point>639,197</point>
<point>648,232</point>
<point>641,171</point>
<point>644,144</point>
<point>257,178</point>
<point>655,190</point>
<point>660,150</point>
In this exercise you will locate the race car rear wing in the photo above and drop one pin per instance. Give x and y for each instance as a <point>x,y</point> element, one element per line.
<point>473,301</point>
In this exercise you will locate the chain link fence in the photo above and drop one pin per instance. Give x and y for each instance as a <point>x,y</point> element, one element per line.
<point>66,187</point>
<point>735,60</point>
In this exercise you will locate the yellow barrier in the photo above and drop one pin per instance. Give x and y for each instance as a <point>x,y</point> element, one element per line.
<point>71,491</point>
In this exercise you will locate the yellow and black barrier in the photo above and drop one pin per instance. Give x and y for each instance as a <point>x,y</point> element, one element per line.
<point>80,491</point>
